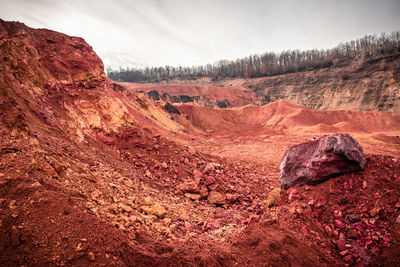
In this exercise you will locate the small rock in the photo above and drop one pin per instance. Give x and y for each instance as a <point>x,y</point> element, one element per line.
<point>114,208</point>
<point>364,185</point>
<point>231,197</point>
<point>79,247</point>
<point>328,230</point>
<point>155,209</point>
<point>203,191</point>
<point>272,197</point>
<point>339,224</point>
<point>348,258</point>
<point>95,194</point>
<point>148,174</point>
<point>57,166</point>
<point>125,208</point>
<point>209,168</point>
<point>148,200</point>
<point>353,218</point>
<point>191,151</point>
<point>374,212</point>
<point>188,187</point>
<point>4,181</point>
<point>216,198</point>
<point>193,196</point>
<point>352,234</point>
<point>35,185</point>
<point>209,181</point>
<point>340,245</point>
<point>197,175</point>
<point>293,195</point>
<point>91,256</point>
<point>337,213</point>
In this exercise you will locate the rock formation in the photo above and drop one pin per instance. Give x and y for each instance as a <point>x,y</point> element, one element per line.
<point>314,162</point>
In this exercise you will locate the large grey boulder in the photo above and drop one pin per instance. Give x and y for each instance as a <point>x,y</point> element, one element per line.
<point>314,162</point>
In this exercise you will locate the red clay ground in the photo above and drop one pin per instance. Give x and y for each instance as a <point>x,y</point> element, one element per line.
<point>91,174</point>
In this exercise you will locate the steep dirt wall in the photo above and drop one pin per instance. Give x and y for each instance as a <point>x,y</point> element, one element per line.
<point>370,85</point>
<point>357,84</point>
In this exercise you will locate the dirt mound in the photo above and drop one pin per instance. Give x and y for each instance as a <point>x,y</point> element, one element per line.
<point>387,138</point>
<point>284,117</point>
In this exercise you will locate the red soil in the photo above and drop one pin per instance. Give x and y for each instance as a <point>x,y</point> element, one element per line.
<point>94,175</point>
<point>282,117</point>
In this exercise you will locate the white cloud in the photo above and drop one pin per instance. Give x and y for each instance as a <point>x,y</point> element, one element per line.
<point>184,32</point>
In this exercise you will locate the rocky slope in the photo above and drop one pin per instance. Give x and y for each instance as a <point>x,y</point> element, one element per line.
<point>360,84</point>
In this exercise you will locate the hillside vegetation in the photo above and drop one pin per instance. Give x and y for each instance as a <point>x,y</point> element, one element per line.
<point>365,49</point>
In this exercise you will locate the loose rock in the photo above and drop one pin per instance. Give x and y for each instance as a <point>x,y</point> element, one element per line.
<point>314,162</point>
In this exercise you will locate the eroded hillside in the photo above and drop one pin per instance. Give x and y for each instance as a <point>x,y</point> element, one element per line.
<point>359,84</point>
<point>94,174</point>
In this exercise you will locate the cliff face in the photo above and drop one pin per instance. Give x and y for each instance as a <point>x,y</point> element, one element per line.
<point>36,64</point>
<point>40,55</point>
<point>356,85</point>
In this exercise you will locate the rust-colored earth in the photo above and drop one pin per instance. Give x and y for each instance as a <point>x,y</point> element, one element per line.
<point>94,174</point>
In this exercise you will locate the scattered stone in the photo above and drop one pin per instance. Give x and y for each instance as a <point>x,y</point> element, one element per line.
<point>57,166</point>
<point>155,209</point>
<point>91,256</point>
<point>209,168</point>
<point>191,151</point>
<point>113,208</point>
<point>353,218</point>
<point>340,244</point>
<point>35,185</point>
<point>328,230</point>
<point>314,162</point>
<point>188,187</point>
<point>364,184</point>
<point>272,197</point>
<point>95,194</point>
<point>197,175</point>
<point>125,208</point>
<point>339,224</point>
<point>148,200</point>
<point>79,247</point>
<point>374,212</point>
<point>231,197</point>
<point>203,191</point>
<point>193,196</point>
<point>352,234</point>
<point>186,161</point>
<point>148,174</point>
<point>4,181</point>
<point>48,169</point>
<point>216,198</point>
<point>209,181</point>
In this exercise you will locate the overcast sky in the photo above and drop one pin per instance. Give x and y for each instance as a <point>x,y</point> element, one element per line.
<point>193,32</point>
